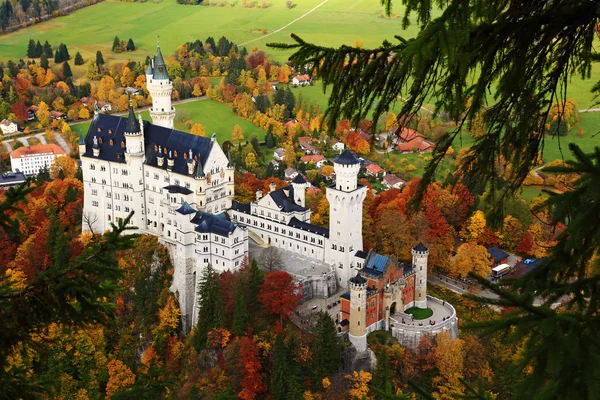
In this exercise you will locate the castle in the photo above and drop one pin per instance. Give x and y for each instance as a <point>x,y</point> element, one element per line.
<point>181,187</point>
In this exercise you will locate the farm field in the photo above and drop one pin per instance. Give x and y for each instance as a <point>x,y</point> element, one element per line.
<point>214,116</point>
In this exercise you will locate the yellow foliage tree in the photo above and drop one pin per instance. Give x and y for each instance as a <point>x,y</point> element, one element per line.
<point>471,257</point>
<point>197,92</point>
<point>84,113</point>
<point>251,161</point>
<point>289,154</point>
<point>119,377</point>
<point>449,359</point>
<point>66,164</point>
<point>359,384</point>
<point>390,121</point>
<point>511,232</point>
<point>238,133</point>
<point>198,130</point>
<point>475,226</point>
<point>43,114</point>
<point>168,316</point>
<point>327,170</point>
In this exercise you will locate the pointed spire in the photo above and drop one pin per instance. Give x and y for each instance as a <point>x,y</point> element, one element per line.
<point>199,170</point>
<point>132,126</point>
<point>160,69</point>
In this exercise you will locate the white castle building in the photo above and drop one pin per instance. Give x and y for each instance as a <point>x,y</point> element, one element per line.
<point>181,187</point>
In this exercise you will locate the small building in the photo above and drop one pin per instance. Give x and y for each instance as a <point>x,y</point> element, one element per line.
<point>8,127</point>
<point>32,113</point>
<point>30,159</point>
<point>11,179</point>
<point>278,154</point>
<point>497,256</point>
<point>274,164</point>
<point>375,170</point>
<point>132,91</point>
<point>290,173</point>
<point>301,80</point>
<point>307,146</point>
<point>336,145</point>
<point>57,115</point>
<point>318,159</point>
<point>416,145</point>
<point>392,181</point>
<point>105,106</point>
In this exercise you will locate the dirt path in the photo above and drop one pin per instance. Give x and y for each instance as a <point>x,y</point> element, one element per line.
<point>285,26</point>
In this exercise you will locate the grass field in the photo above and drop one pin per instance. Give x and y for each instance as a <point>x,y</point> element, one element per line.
<point>214,116</point>
<point>558,147</point>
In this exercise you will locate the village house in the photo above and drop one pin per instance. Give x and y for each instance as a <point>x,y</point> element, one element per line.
<point>318,159</point>
<point>290,173</point>
<point>375,170</point>
<point>57,115</point>
<point>104,106</point>
<point>411,141</point>
<point>391,181</point>
<point>336,145</point>
<point>307,146</point>
<point>497,256</point>
<point>301,80</point>
<point>32,113</point>
<point>8,127</point>
<point>30,159</point>
<point>274,164</point>
<point>11,179</point>
<point>278,154</point>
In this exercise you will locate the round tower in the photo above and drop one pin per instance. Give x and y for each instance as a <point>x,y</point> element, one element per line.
<point>160,88</point>
<point>134,156</point>
<point>299,185</point>
<point>346,168</point>
<point>420,253</point>
<point>358,304</point>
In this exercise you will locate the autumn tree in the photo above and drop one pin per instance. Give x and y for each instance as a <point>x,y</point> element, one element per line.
<point>119,377</point>
<point>471,257</point>
<point>279,294</point>
<point>449,360</point>
<point>198,130</point>
<point>270,259</point>
<point>64,167</point>
<point>250,161</point>
<point>252,383</point>
<point>43,114</point>
<point>475,226</point>
<point>359,384</point>
<point>238,133</point>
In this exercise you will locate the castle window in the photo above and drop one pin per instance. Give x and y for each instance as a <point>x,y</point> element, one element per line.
<point>100,140</point>
<point>122,143</point>
<point>92,166</point>
<point>175,153</point>
<point>196,157</point>
<point>99,130</point>
<point>185,156</point>
<point>110,131</point>
<point>111,142</point>
<point>155,147</point>
<point>164,150</point>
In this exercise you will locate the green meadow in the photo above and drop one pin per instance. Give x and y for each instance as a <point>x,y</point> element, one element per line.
<point>214,116</point>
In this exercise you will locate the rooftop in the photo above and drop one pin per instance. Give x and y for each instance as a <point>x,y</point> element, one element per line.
<point>31,151</point>
<point>346,158</point>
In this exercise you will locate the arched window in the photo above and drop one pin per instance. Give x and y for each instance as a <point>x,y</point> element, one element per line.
<point>110,142</point>
<point>110,131</point>
<point>122,143</point>
<point>175,153</point>
<point>100,140</point>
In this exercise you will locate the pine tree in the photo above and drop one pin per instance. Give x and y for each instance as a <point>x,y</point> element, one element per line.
<point>31,49</point>
<point>241,316</point>
<point>262,103</point>
<point>38,49</point>
<point>57,242</point>
<point>383,374</point>
<point>48,50</point>
<point>255,280</point>
<point>130,45</point>
<point>116,46</point>
<point>210,306</point>
<point>99,59</point>
<point>44,61</point>
<point>42,176</point>
<point>289,102</point>
<point>78,59</point>
<point>59,55</point>
<point>66,70</point>
<point>65,52</point>
<point>325,347</point>
<point>269,139</point>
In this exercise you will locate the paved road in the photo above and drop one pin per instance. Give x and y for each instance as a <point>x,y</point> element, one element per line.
<point>42,138</point>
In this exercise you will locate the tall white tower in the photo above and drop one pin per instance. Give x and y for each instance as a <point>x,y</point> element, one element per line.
<point>299,185</point>
<point>345,216</point>
<point>160,88</point>
<point>134,156</point>
<point>420,253</point>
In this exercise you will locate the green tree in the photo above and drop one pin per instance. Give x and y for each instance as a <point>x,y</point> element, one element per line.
<point>99,59</point>
<point>255,280</point>
<point>524,53</point>
<point>116,46</point>
<point>290,103</point>
<point>210,306</point>
<point>285,382</point>
<point>44,61</point>
<point>31,49</point>
<point>130,45</point>
<point>241,316</point>
<point>48,50</point>
<point>66,71</point>
<point>39,49</point>
<point>383,374</point>
<point>324,348</point>
<point>78,59</point>
<point>269,139</point>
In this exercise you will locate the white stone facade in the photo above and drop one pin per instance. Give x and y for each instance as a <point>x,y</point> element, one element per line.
<point>30,159</point>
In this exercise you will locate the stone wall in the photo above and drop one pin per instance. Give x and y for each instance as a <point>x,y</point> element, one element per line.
<point>410,335</point>
<point>320,286</point>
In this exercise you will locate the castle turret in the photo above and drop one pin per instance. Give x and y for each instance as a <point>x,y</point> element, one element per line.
<point>345,216</point>
<point>160,88</point>
<point>420,253</point>
<point>358,302</point>
<point>299,185</point>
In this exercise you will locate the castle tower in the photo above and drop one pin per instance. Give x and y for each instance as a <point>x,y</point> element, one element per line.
<point>160,88</point>
<point>420,253</point>
<point>134,156</point>
<point>299,185</point>
<point>345,216</point>
<point>358,303</point>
